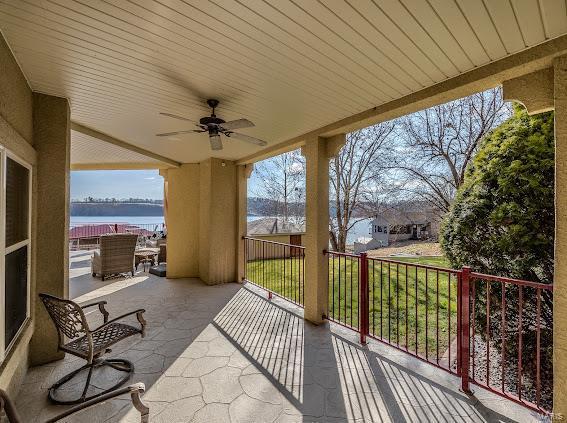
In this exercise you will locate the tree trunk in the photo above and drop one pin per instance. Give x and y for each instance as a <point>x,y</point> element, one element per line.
<point>342,240</point>
<point>334,244</point>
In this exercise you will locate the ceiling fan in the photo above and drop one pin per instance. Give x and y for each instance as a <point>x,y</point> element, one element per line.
<point>216,126</point>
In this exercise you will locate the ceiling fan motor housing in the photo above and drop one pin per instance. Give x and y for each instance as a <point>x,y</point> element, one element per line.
<point>211,120</point>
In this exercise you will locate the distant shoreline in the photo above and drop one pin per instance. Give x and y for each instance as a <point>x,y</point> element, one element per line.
<point>115,209</point>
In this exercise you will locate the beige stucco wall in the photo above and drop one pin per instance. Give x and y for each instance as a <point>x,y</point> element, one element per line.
<point>317,228</point>
<point>204,218</point>
<point>15,95</point>
<point>52,134</point>
<point>560,275</point>
<point>202,221</point>
<point>218,220</point>
<point>183,190</point>
<point>534,90</point>
<point>16,134</point>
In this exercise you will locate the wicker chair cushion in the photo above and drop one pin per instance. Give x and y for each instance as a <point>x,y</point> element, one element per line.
<point>102,339</point>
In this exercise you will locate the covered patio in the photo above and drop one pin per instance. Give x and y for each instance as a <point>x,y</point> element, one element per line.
<point>126,85</point>
<point>226,353</point>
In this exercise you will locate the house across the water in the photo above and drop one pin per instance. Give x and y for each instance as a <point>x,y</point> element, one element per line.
<point>394,225</point>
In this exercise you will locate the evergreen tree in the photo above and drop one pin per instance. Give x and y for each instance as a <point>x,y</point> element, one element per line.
<point>502,223</point>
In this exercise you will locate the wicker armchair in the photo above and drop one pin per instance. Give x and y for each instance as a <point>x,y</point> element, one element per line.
<point>7,406</point>
<point>89,344</point>
<point>116,255</point>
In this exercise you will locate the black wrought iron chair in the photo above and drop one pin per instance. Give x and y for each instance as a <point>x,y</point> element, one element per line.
<point>70,321</point>
<point>7,406</point>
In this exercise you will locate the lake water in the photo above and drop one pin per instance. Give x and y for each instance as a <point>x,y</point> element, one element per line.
<point>85,220</point>
<point>360,229</point>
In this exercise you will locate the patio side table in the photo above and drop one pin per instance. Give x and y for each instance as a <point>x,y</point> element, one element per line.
<point>145,256</point>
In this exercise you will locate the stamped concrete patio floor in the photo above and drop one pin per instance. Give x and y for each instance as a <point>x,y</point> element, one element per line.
<point>226,353</point>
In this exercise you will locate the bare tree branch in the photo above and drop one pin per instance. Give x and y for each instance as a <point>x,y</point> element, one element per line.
<point>438,143</point>
<point>282,179</point>
<point>360,162</point>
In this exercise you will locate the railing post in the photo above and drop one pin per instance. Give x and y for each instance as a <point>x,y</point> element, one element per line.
<point>464,317</point>
<point>363,297</point>
<point>244,273</point>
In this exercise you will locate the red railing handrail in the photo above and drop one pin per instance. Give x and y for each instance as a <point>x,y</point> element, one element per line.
<point>274,242</point>
<point>522,282</point>
<point>338,253</point>
<point>113,228</point>
<point>418,265</point>
<point>473,275</point>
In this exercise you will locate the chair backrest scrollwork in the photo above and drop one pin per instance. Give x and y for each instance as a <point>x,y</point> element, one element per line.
<point>67,315</point>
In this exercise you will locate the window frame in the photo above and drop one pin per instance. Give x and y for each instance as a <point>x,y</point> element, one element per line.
<point>6,154</point>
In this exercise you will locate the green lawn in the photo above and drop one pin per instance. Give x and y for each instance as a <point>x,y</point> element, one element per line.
<point>430,261</point>
<point>392,305</point>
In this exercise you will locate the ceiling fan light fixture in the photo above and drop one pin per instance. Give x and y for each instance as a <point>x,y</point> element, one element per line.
<point>216,127</point>
<point>215,140</point>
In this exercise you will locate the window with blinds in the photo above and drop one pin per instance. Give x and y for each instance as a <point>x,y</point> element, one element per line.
<point>17,199</point>
<point>16,213</point>
<point>16,311</point>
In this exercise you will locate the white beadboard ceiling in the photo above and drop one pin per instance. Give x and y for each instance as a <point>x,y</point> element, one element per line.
<point>290,66</point>
<point>86,149</point>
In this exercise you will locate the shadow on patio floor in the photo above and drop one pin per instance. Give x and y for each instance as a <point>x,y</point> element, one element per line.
<point>225,353</point>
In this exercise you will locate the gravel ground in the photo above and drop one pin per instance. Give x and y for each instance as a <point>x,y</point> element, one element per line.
<point>510,374</point>
<point>410,247</point>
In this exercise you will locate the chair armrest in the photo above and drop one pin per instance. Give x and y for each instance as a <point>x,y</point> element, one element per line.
<point>134,390</point>
<point>101,308</point>
<point>139,315</point>
<point>7,407</point>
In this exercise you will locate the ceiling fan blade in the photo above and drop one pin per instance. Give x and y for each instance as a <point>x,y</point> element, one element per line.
<point>177,117</point>
<point>216,142</point>
<point>167,134</point>
<point>246,138</point>
<point>237,124</point>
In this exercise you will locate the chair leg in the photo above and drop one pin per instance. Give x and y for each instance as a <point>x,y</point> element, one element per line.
<point>116,363</point>
<point>87,383</point>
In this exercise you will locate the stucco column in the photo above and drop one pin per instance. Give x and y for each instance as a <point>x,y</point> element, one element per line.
<point>182,220</point>
<point>165,196</point>
<point>243,172</point>
<point>541,91</point>
<point>317,152</point>
<point>217,221</point>
<point>52,140</point>
<point>560,274</point>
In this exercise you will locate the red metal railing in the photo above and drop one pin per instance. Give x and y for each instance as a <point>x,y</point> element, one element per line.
<point>345,291</point>
<point>277,267</point>
<point>409,306</point>
<point>510,338</point>
<point>491,331</point>
<point>87,236</point>
<point>414,308</point>
<point>469,324</point>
